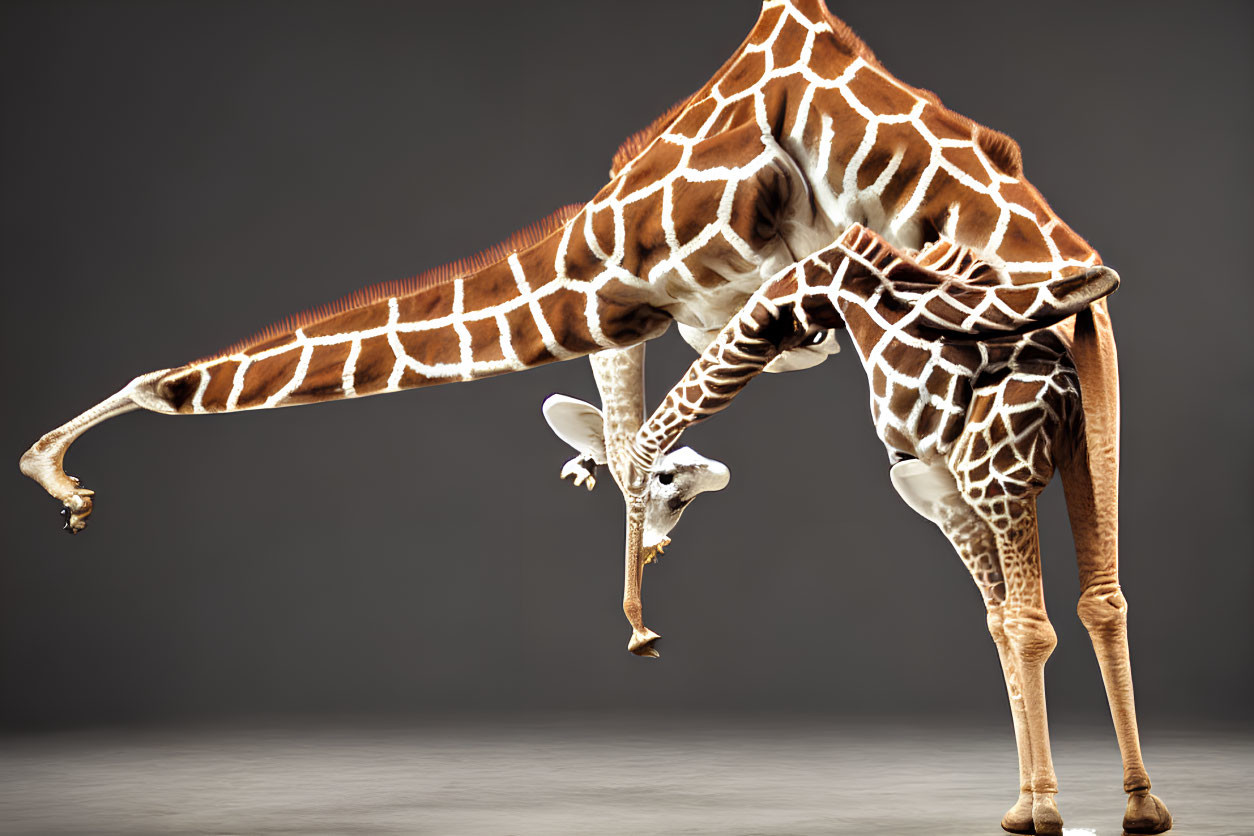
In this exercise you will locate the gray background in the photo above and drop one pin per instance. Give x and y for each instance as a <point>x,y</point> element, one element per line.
<point>175,176</point>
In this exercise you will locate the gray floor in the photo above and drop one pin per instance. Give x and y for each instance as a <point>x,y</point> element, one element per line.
<point>595,776</point>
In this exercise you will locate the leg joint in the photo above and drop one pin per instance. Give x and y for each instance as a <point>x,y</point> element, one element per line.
<point>1102,608</point>
<point>1031,635</point>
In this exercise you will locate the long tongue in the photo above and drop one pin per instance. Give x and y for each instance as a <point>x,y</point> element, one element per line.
<point>642,638</point>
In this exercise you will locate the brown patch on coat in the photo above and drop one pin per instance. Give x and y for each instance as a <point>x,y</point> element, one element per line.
<point>743,75</point>
<point>433,303</point>
<point>978,217</point>
<point>661,159</point>
<point>964,158</point>
<point>695,204</point>
<point>646,240</point>
<point>526,338</point>
<point>603,229</point>
<point>1023,241</point>
<point>374,365</point>
<point>434,347</point>
<point>221,380</point>
<point>485,340</point>
<point>266,376</point>
<point>902,400</point>
<point>495,284</point>
<point>789,43</point>
<point>325,377</point>
<point>178,388</point>
<point>691,119</point>
<point>566,312</point>
<point>732,148</point>
<point>581,263</point>
<point>945,123</point>
<point>880,95</point>
<point>879,382</point>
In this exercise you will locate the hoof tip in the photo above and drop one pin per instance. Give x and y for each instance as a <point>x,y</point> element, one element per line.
<point>642,644</point>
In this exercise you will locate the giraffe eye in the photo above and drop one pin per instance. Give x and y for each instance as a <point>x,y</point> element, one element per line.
<point>816,338</point>
<point>666,478</point>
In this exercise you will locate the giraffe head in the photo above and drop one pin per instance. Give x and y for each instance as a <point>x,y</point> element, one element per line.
<point>679,476</point>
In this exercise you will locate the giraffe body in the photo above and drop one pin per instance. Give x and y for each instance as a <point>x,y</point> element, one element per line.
<point>799,137</point>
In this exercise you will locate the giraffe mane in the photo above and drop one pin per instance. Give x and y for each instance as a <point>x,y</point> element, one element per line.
<point>640,140</point>
<point>445,273</point>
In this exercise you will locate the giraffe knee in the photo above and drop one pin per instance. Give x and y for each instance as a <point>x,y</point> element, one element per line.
<point>1103,609</point>
<point>1031,635</point>
<point>996,622</point>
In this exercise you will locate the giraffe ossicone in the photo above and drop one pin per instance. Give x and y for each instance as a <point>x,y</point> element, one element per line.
<point>801,140</point>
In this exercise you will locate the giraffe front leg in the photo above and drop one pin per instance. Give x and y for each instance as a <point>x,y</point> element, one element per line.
<point>931,491</point>
<point>1030,640</point>
<point>45,460</point>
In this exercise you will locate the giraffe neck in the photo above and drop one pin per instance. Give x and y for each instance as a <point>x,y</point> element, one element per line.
<point>538,304</point>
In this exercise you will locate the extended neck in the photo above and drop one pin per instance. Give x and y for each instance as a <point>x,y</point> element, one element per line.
<point>510,309</point>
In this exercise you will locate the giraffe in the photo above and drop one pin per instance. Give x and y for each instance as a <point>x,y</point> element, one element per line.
<point>799,135</point>
<point>974,404</point>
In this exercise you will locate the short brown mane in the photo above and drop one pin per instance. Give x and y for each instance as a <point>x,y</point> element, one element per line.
<point>445,273</point>
<point>640,140</point>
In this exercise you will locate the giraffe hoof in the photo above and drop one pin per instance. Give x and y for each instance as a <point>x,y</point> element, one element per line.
<point>1146,813</point>
<point>77,509</point>
<point>1018,819</point>
<point>1046,820</point>
<point>642,642</point>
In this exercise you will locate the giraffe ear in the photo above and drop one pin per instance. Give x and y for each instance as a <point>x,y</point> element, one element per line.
<point>578,423</point>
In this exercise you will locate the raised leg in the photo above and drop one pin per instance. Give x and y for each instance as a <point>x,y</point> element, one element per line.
<point>619,375</point>
<point>1090,476</point>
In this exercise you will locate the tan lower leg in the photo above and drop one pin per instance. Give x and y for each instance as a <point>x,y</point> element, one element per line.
<point>1019,818</point>
<point>1104,612</point>
<point>1031,640</point>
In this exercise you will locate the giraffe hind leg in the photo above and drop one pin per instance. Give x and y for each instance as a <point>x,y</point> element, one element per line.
<point>45,460</point>
<point>1104,612</point>
<point>1090,476</point>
